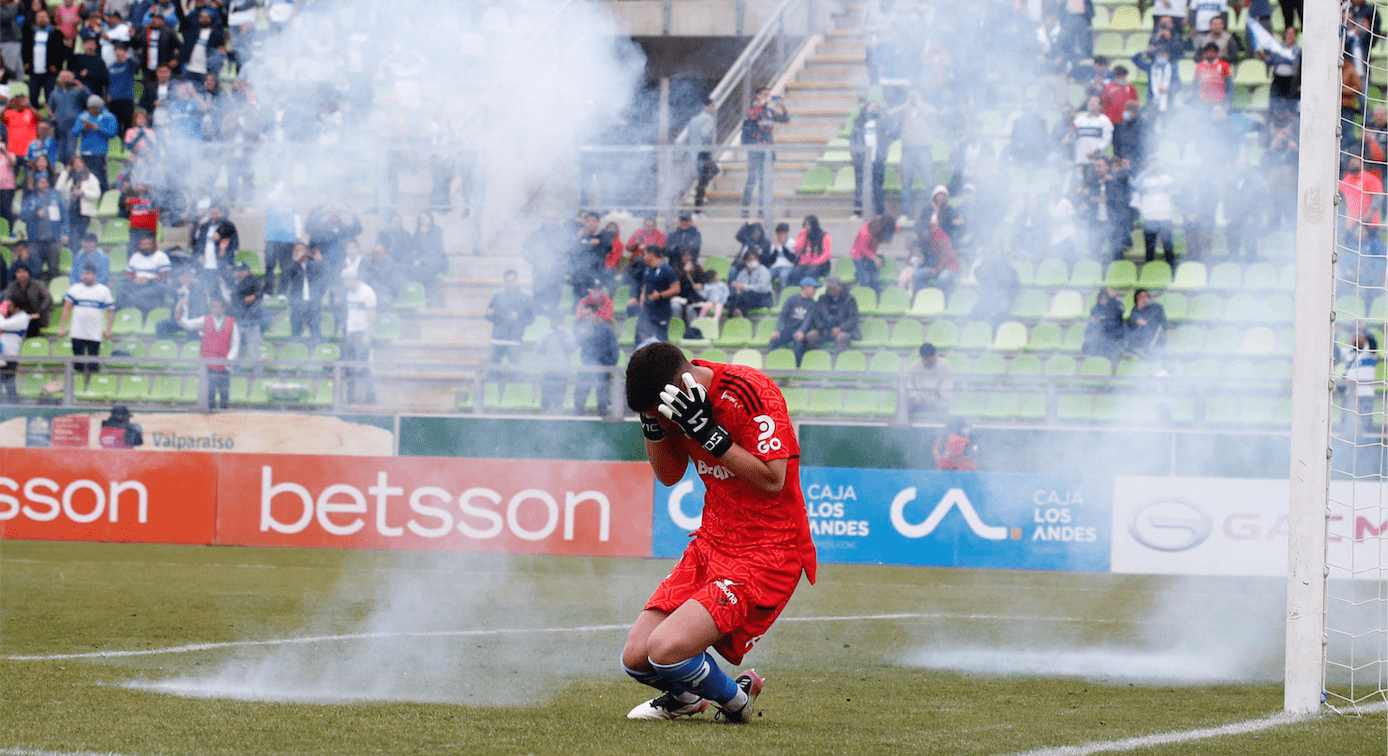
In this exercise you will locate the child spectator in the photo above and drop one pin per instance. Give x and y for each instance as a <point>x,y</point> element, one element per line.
<point>715,294</point>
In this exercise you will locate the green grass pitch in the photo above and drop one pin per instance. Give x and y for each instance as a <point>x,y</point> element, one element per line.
<point>538,672</point>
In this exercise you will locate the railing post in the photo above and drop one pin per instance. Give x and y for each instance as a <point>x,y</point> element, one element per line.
<point>479,390</point>
<point>337,386</point>
<point>68,391</point>
<point>903,406</point>
<point>204,389</point>
<point>617,411</point>
<point>739,18</point>
<point>666,17</point>
<point>664,177</point>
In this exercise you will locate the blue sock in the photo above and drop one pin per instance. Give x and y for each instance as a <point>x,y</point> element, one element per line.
<point>651,678</point>
<point>701,675</point>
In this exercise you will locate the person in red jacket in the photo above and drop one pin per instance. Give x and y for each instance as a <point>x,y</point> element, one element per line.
<point>957,445</point>
<point>1212,76</point>
<point>599,299</point>
<point>1117,94</point>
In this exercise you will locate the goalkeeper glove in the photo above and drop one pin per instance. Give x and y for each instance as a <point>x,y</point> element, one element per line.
<point>693,412</point>
<point>650,428</point>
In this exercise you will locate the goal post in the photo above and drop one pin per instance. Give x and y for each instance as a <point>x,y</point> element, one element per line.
<point>1312,358</point>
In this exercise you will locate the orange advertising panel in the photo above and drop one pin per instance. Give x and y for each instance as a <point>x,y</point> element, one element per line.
<point>124,496</point>
<point>443,504</point>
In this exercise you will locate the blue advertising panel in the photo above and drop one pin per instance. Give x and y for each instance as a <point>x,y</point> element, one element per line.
<point>930,518</point>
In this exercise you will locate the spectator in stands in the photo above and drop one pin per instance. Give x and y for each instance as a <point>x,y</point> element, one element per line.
<point>157,97</point>
<point>307,282</point>
<point>246,305</point>
<point>929,383</point>
<point>83,191</point>
<point>281,231</point>
<point>691,296</point>
<point>1105,335</point>
<point>1096,78</point>
<point>1280,163</point>
<point>685,239</point>
<point>938,265</point>
<point>1231,49</point>
<point>598,298</point>
<point>659,284</point>
<point>783,257</point>
<point>547,249</point>
<point>715,294</point>
<point>44,54</point>
<point>939,212</point>
<point>553,350</point>
<point>84,305</point>
<point>613,260</point>
<point>1093,132</point>
<point>1170,14</point>
<point>1166,36</point>
<point>381,273</point>
<point>751,289</point>
<point>357,336</point>
<point>1375,142</point>
<point>701,131</point>
<point>121,91</point>
<point>795,322</point>
<point>1065,232</point>
<point>8,163</point>
<point>204,43</point>
<point>215,242</point>
<point>21,124</point>
<point>1358,361</point>
<point>597,345</point>
<point>191,292</point>
<point>91,254</point>
<point>813,248</point>
<point>46,222</point>
<point>1146,325</point>
<point>1117,94</point>
<point>867,260</point>
<point>835,317</point>
<point>1245,207</point>
<point>870,132</point>
<point>1351,93</point>
<point>753,239</point>
<point>589,254</point>
<point>429,259</point>
<point>509,312</point>
<point>916,121</point>
<point>973,160</point>
<point>41,167</point>
<point>646,236</point>
<point>1076,18</point>
<point>329,228</point>
<point>958,444</point>
<point>1130,135</point>
<point>43,145</point>
<point>1153,196</point>
<point>1361,30</point>
<point>1030,144</point>
<point>14,326</point>
<point>147,274</point>
<point>1362,195</point>
<point>757,125</point>
<point>221,340</point>
<point>30,294</point>
<point>143,213</point>
<point>12,39</point>
<point>1163,78</point>
<point>998,286</point>
<point>93,130</point>
<point>1285,92</point>
<point>64,104</point>
<point>23,258</point>
<point>1212,77</point>
<point>140,139</point>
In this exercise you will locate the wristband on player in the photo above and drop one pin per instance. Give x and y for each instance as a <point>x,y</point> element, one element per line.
<point>650,428</point>
<point>693,412</point>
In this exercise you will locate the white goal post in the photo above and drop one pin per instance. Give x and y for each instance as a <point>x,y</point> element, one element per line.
<point>1312,358</point>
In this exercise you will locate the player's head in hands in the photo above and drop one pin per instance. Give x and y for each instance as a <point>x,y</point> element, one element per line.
<point>649,370</point>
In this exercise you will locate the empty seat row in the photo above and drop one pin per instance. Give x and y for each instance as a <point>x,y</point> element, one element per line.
<point>178,389</point>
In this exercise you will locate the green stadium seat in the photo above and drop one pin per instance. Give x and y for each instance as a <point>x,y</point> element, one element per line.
<point>153,319</point>
<point>961,363</point>
<point>1226,275</point>
<point>323,396</point>
<point>843,181</point>
<point>1061,366</point>
<point>713,354</point>
<point>62,348</point>
<point>1131,367</point>
<point>1031,305</point>
<point>1252,73</point>
<point>816,181</point>
<point>797,399</point>
<point>780,360</point>
<point>161,350</point>
<point>109,206</point>
<point>1258,341</point>
<point>765,327</point>
<point>1086,275</point>
<point>875,333</point>
<point>736,333</point>
<point>627,337</point>
<point>115,232</point>
<point>909,334</point>
<point>326,353</point>
<point>134,389</point>
<point>1126,18</point>
<point>1026,271</point>
<point>1066,305</point>
<point>826,401</point>
<point>976,335</point>
<point>191,350</point>
<point>1223,340</point>
<point>1074,338</point>
<point>100,388</point>
<point>968,403</point>
<point>847,273</point>
<point>387,327</point>
<point>1096,367</point>
<point>1011,337</point>
<point>817,360</point>
<point>132,347</point>
<point>893,302</point>
<point>35,347</point>
<point>867,298</point>
<point>57,288</point>
<point>1122,274</point>
<point>1244,307</point>
<point>961,303</point>
<point>1045,337</point>
<point>1033,406</point>
<point>293,351</point>
<point>166,388</point>
<point>129,322</point>
<point>1075,407</point>
<point>851,361</point>
<point>860,402</point>
<point>749,357</point>
<point>990,363</point>
<point>1108,44</point>
<point>1261,276</point>
<point>885,362</point>
<point>721,264</point>
<point>707,326</point>
<point>31,385</point>
<point>1187,339</point>
<point>411,297</point>
<point>1190,276</point>
<point>1026,364</point>
<point>1177,306</point>
<point>279,327</point>
<point>1349,307</point>
<point>1050,273</point>
<point>942,333</point>
<point>1206,307</point>
<point>928,303</point>
<point>533,332</point>
<point>1155,275</point>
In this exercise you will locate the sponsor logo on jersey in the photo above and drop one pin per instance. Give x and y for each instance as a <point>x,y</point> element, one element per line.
<point>729,396</point>
<point>718,471</point>
<point>767,426</point>
<point>726,587</point>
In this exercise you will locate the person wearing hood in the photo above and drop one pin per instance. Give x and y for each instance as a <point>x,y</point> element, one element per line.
<point>938,211</point>
<point>14,328</point>
<point>1105,334</point>
<point>117,432</point>
<point>870,131</point>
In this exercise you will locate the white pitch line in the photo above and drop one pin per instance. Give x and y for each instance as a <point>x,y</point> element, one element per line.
<point>193,647</point>
<point>1185,736</point>
<point>29,752</point>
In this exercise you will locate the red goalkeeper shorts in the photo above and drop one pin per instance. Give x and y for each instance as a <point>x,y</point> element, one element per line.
<point>744,596</point>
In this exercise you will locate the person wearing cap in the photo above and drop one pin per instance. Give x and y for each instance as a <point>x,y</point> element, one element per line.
<point>794,320</point>
<point>64,104</point>
<point>246,305</point>
<point>361,326</point>
<point>659,284</point>
<point>835,317</point>
<point>684,239</point>
<point>117,432</point>
<point>14,328</point>
<point>83,306</point>
<point>95,128</point>
<point>83,191</point>
<point>91,254</point>
<point>598,298</point>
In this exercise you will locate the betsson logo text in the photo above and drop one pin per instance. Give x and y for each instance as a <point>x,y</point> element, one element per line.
<point>80,494</point>
<point>429,507</point>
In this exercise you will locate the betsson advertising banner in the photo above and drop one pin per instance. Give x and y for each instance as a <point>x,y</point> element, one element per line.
<point>437,504</point>
<point>929,518</point>
<point>131,497</point>
<point>1234,526</point>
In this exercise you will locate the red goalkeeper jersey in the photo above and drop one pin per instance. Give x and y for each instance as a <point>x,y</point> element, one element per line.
<point>739,520</point>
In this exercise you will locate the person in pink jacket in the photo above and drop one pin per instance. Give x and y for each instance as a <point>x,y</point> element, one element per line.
<point>866,259</point>
<point>814,248</point>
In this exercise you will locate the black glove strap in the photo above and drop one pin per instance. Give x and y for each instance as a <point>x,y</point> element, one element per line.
<point>718,441</point>
<point>650,428</point>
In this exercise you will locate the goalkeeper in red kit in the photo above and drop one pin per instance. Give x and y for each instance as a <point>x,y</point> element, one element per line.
<point>744,561</point>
